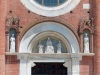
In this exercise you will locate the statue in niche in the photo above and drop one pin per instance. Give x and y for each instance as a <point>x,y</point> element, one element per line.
<point>86,44</point>
<point>40,46</point>
<point>12,43</point>
<point>59,47</point>
<point>49,47</point>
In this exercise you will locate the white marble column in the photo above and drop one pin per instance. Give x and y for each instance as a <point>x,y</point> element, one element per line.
<point>23,64</point>
<point>67,64</point>
<point>75,64</point>
<point>30,65</point>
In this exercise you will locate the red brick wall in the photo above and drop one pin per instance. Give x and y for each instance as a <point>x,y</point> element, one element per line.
<point>12,69</point>
<point>96,14</point>
<point>2,36</point>
<point>87,66</point>
<point>19,10</point>
<point>6,6</point>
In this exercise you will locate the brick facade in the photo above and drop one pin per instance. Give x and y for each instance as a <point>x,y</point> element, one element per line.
<point>89,65</point>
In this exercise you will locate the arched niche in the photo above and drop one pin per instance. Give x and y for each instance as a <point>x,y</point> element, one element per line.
<point>86,27</point>
<point>12,32</point>
<point>45,27</point>
<point>88,34</point>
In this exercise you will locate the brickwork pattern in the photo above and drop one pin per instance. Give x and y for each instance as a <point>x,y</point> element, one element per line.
<point>15,8</point>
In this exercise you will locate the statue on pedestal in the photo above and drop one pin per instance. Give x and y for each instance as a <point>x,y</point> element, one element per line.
<point>49,47</point>
<point>40,46</point>
<point>59,47</point>
<point>12,43</point>
<point>86,44</point>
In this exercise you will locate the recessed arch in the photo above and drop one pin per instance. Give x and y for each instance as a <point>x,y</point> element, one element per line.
<point>49,19</point>
<point>46,34</point>
<point>49,26</point>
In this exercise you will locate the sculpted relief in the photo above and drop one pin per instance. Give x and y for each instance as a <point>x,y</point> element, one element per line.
<point>50,46</point>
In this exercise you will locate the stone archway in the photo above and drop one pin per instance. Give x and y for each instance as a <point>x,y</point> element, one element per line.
<point>49,26</point>
<point>70,59</point>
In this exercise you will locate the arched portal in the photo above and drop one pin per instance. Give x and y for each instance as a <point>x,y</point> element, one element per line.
<point>45,27</point>
<point>55,32</point>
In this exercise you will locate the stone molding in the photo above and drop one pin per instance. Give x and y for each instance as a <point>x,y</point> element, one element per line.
<point>50,33</point>
<point>50,11</point>
<point>49,19</point>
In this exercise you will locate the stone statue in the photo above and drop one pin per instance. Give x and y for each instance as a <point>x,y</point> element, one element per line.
<point>12,43</point>
<point>49,47</point>
<point>86,44</point>
<point>49,42</point>
<point>40,46</point>
<point>59,47</point>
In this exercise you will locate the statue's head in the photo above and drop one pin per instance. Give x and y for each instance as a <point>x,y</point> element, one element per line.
<point>39,42</point>
<point>59,41</point>
<point>12,35</point>
<point>49,39</point>
<point>86,34</point>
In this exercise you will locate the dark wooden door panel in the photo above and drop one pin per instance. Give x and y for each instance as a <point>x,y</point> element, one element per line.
<point>49,69</point>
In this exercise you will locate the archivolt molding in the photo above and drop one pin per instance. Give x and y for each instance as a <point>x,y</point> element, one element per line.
<point>49,26</point>
<point>50,11</point>
<point>50,19</point>
<point>53,34</point>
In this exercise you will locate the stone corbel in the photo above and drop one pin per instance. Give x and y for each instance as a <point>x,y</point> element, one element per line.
<point>33,64</point>
<point>65,64</point>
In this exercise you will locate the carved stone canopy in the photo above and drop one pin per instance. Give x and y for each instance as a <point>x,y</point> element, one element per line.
<point>86,24</point>
<point>12,22</point>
